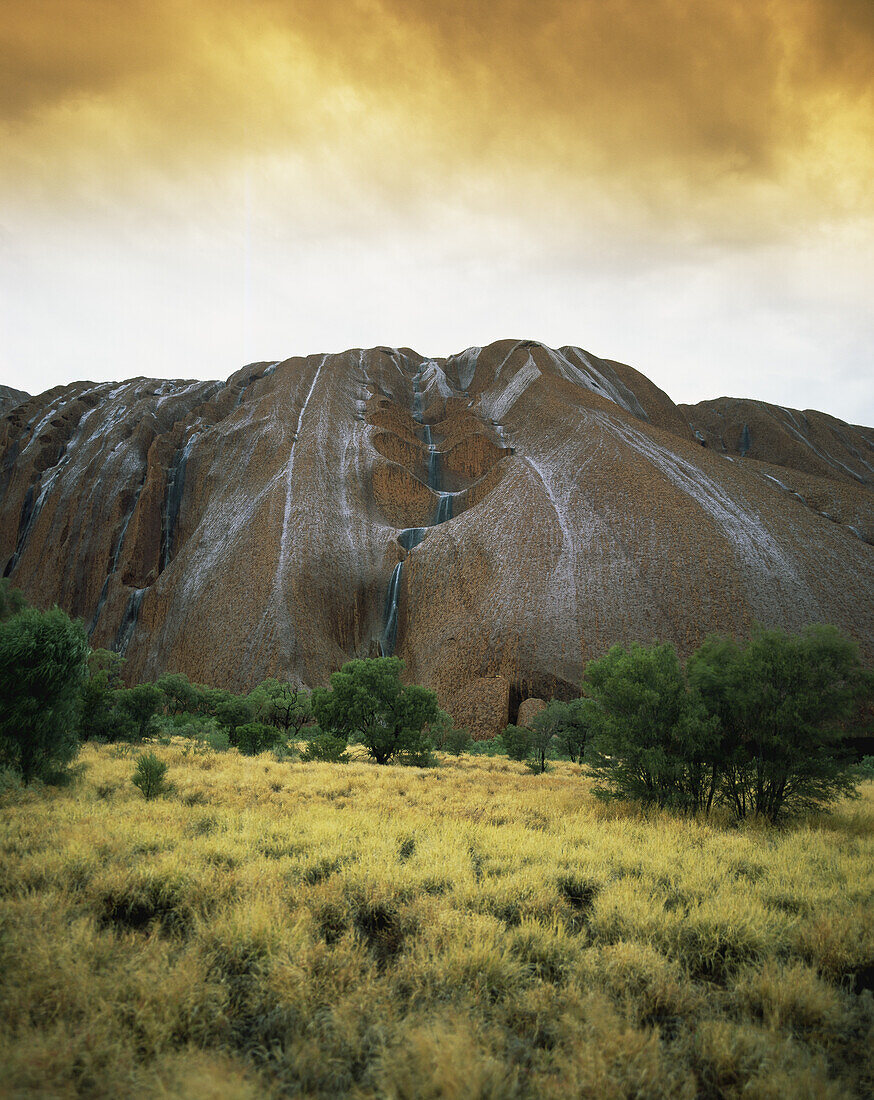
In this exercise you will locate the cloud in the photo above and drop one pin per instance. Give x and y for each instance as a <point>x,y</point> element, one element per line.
<point>711,113</point>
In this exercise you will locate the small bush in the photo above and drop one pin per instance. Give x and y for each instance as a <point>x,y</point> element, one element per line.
<point>255,737</point>
<point>326,747</point>
<point>149,776</point>
<point>457,741</point>
<point>517,741</point>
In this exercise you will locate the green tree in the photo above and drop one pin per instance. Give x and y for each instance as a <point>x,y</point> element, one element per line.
<point>149,776</point>
<point>517,741</point>
<point>139,705</point>
<point>325,747</point>
<point>446,736</point>
<point>98,717</point>
<point>233,713</point>
<point>11,600</point>
<point>285,706</point>
<point>253,738</point>
<point>652,739</point>
<point>367,701</point>
<point>778,704</point>
<point>180,694</point>
<point>569,723</point>
<point>42,665</point>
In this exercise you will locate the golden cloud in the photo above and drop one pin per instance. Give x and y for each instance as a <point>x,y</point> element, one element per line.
<point>683,104</point>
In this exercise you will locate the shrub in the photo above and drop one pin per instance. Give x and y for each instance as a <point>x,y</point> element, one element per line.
<point>42,665</point>
<point>367,701</point>
<point>149,776</point>
<point>326,747</point>
<point>179,693</point>
<point>778,704</point>
<point>517,742</point>
<point>254,738</point>
<point>653,740</point>
<point>457,741</point>
<point>139,705</point>
<point>233,713</point>
<point>283,705</point>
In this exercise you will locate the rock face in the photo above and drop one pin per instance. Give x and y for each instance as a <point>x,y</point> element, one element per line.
<point>496,518</point>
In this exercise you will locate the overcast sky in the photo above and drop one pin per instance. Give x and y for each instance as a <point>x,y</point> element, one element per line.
<point>685,185</point>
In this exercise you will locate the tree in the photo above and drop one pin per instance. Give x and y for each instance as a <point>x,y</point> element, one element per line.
<point>778,704</point>
<point>569,723</point>
<point>149,776</point>
<point>653,739</point>
<point>517,741</point>
<point>42,665</point>
<point>180,694</point>
<point>446,736</point>
<point>98,717</point>
<point>253,738</point>
<point>367,701</point>
<point>281,703</point>
<point>325,747</point>
<point>236,711</point>
<point>139,705</point>
<point>11,600</point>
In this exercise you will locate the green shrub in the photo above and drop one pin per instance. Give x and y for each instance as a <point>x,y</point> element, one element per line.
<point>779,703</point>
<point>254,738</point>
<point>865,767</point>
<point>326,747</point>
<point>149,776</point>
<point>42,666</point>
<point>517,742</point>
<point>457,740</point>
<point>653,739</point>
<point>368,702</point>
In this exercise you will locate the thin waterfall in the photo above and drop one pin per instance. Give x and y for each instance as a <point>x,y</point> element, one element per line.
<point>173,502</point>
<point>114,564</point>
<point>129,622</point>
<point>412,536</point>
<point>392,601</point>
<point>444,508</point>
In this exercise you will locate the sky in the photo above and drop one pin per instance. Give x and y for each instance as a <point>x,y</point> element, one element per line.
<point>187,186</point>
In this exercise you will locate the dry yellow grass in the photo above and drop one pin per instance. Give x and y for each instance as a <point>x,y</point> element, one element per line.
<point>471,931</point>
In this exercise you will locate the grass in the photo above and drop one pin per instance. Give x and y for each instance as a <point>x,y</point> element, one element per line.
<point>290,929</point>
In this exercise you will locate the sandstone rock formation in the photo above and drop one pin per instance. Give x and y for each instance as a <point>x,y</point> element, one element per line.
<point>496,518</point>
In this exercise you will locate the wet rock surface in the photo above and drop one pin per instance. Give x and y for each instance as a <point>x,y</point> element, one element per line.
<point>542,504</point>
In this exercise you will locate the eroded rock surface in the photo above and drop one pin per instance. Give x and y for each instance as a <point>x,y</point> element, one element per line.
<point>542,504</point>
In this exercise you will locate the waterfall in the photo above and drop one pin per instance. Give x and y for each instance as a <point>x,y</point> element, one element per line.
<point>392,600</point>
<point>412,536</point>
<point>444,508</point>
<point>129,622</point>
<point>115,556</point>
<point>173,502</point>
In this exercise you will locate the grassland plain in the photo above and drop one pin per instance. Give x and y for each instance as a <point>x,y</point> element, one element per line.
<point>279,929</point>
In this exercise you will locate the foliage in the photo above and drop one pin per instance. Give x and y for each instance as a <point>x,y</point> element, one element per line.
<point>778,703</point>
<point>281,703</point>
<point>150,775</point>
<point>325,747</point>
<point>139,705</point>
<point>180,694</point>
<point>517,742</point>
<point>865,767</point>
<point>569,723</point>
<point>368,702</point>
<point>11,600</point>
<point>98,717</point>
<point>253,738</point>
<point>653,740</point>
<point>446,736</point>
<point>42,665</point>
<point>234,712</point>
